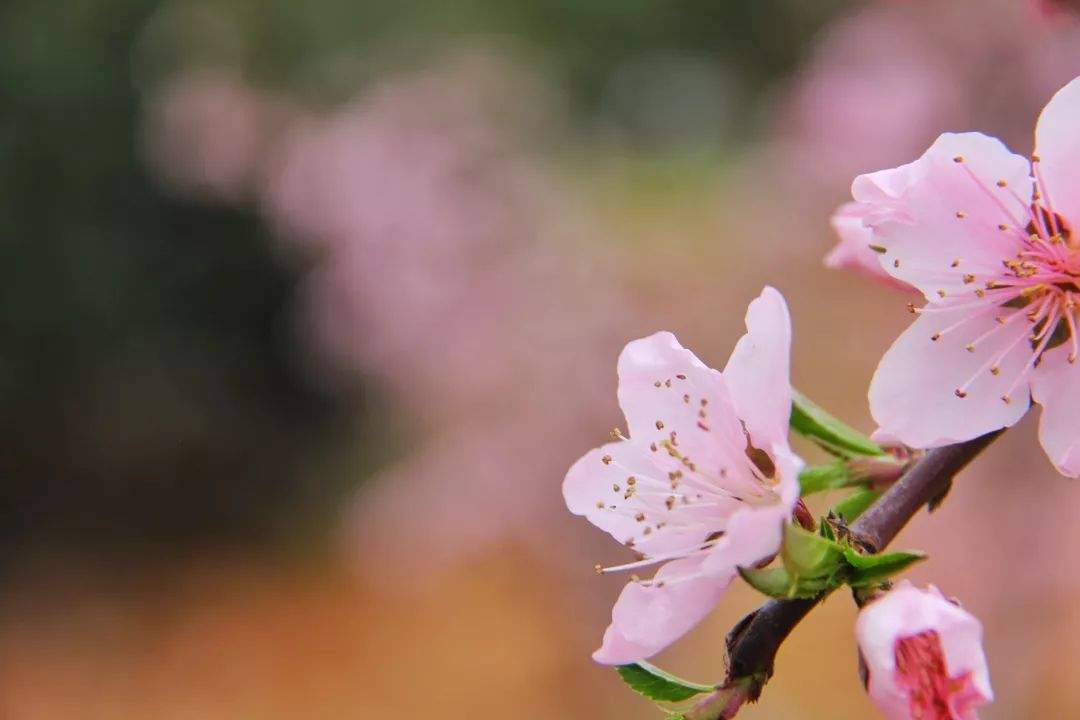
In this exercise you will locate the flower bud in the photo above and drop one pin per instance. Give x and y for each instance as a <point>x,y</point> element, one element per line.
<point>923,656</point>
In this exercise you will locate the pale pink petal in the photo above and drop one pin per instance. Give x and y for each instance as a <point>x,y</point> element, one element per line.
<point>906,611</point>
<point>759,370</point>
<point>754,532</point>
<point>939,218</point>
<point>648,618</point>
<point>853,252</point>
<point>665,389</point>
<point>881,193</point>
<point>1056,386</point>
<point>885,439</point>
<point>913,394</point>
<point>1057,143</point>
<point>596,486</point>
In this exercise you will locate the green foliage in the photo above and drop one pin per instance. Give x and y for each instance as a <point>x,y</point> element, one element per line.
<point>816,563</point>
<point>855,504</point>
<point>809,555</point>
<point>820,478</point>
<point>656,684</point>
<point>772,581</point>
<point>778,582</point>
<point>872,569</point>
<point>832,434</point>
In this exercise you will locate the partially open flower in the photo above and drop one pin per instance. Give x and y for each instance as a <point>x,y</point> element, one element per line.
<point>704,482</point>
<point>923,655</point>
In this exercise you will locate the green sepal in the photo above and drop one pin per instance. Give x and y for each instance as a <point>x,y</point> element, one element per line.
<point>811,564</point>
<point>832,434</point>
<point>777,582</point>
<point>656,684</point>
<point>873,569</point>
<point>774,581</point>
<point>807,554</point>
<point>855,504</point>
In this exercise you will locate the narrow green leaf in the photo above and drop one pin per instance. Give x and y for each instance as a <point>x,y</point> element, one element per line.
<point>872,569</point>
<point>808,555</point>
<point>820,478</point>
<point>832,434</point>
<point>656,684</point>
<point>856,504</point>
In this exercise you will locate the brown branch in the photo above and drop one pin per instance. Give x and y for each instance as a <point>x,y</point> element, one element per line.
<point>753,643</point>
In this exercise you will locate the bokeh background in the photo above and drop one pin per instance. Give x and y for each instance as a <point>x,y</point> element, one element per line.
<point>305,309</point>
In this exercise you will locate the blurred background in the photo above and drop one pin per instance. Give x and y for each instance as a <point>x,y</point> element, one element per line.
<point>306,308</point>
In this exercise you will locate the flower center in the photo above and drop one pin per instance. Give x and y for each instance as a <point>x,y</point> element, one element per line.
<point>1044,278</point>
<point>922,672</point>
<point>1039,283</point>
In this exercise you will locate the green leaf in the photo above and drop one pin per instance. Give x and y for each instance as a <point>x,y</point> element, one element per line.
<point>808,555</point>
<point>872,569</point>
<point>856,504</point>
<point>820,478</point>
<point>832,434</point>
<point>655,684</point>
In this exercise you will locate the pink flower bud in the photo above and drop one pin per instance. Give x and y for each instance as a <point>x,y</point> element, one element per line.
<point>923,655</point>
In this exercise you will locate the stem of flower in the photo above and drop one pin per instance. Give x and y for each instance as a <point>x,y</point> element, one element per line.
<point>753,643</point>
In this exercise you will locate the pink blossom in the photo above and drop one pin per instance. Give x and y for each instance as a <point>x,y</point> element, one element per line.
<point>987,237</point>
<point>853,251</point>
<point>204,134</point>
<point>417,209</point>
<point>923,656</point>
<point>703,483</point>
<point>1054,9</point>
<point>884,78</point>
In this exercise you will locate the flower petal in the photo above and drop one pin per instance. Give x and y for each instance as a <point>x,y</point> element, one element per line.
<point>1057,143</point>
<point>671,399</point>
<point>648,618</point>
<point>1056,386</point>
<point>597,487</point>
<point>758,374</point>
<point>754,532</point>
<point>853,252</point>
<point>913,395</point>
<point>939,217</point>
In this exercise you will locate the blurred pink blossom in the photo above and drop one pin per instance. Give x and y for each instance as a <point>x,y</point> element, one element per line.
<point>443,262</point>
<point>923,656</point>
<point>884,80</point>
<point>204,134</point>
<point>682,489</point>
<point>425,222</point>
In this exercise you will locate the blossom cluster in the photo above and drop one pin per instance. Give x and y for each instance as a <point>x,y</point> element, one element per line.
<point>704,484</point>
